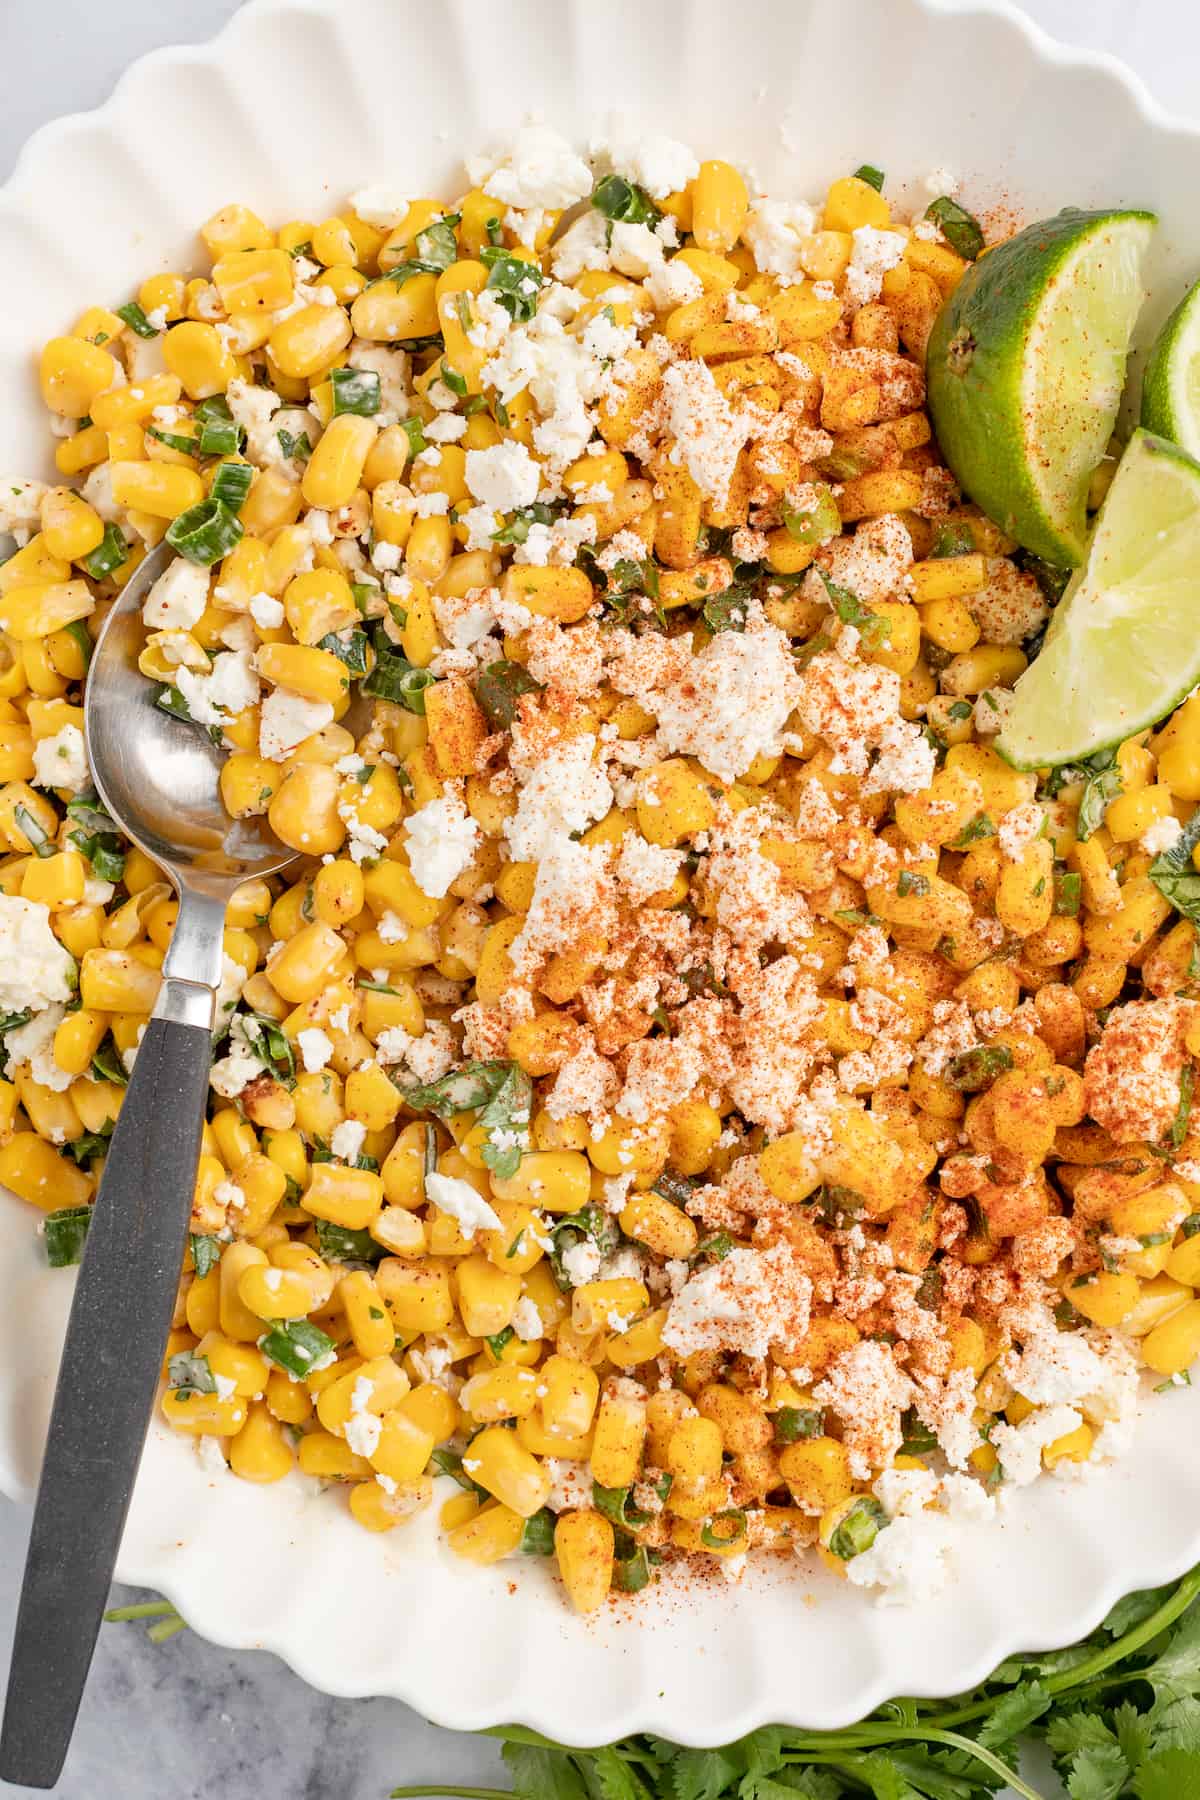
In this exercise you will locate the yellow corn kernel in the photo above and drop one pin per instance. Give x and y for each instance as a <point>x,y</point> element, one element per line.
<point>616,1458</point>
<point>1173,1344</point>
<point>851,203</point>
<point>334,470</point>
<point>502,1465</point>
<point>1105,1298</point>
<point>261,1451</point>
<point>572,1390</point>
<point>583,1544</point>
<point>196,353</point>
<point>665,1229</point>
<point>493,1533</point>
<point>160,489</point>
<point>203,1415</point>
<point>417,1295</point>
<point>507,1392</point>
<point>72,373</point>
<point>558,1180</point>
<point>817,1472</point>
<point>720,203</point>
<point>344,1196</point>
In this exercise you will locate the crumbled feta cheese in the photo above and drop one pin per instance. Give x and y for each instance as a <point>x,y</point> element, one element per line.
<point>33,1043</point>
<point>379,205</point>
<point>315,1047</point>
<point>441,840</point>
<point>266,612</point>
<point>35,969</point>
<point>347,1139</point>
<point>178,597</point>
<point>774,231</point>
<point>565,792</point>
<point>230,687</point>
<point>286,720</point>
<point>660,164</point>
<point>540,170</point>
<point>61,761</point>
<point>1162,835</point>
<point>503,477</point>
<point>450,1194</point>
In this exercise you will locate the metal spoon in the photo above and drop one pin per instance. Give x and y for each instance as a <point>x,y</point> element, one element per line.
<point>158,777</point>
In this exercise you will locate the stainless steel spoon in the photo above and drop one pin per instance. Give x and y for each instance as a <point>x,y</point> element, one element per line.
<point>158,777</point>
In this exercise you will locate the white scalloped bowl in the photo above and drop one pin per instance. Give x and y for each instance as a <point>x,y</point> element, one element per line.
<point>289,109</point>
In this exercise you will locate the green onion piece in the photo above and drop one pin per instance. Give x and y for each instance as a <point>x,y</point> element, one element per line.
<point>1179,1124</point>
<point>793,1423</point>
<point>712,1539</point>
<point>624,202</point>
<point>295,1345</point>
<point>498,1343</point>
<point>205,533</point>
<point>109,554</point>
<point>40,841</point>
<point>961,231</point>
<point>537,1539</point>
<point>107,1065</point>
<point>355,391</point>
<point>339,1243</point>
<point>1067,894</point>
<point>351,650</point>
<point>231,484</point>
<point>11,1021</point>
<point>437,244</point>
<point>499,689</point>
<point>631,1565</point>
<point>973,832</point>
<point>65,1233</point>
<point>188,445</point>
<point>89,1145</point>
<point>953,537</point>
<point>221,439</point>
<point>206,1253</point>
<point>514,281</point>
<point>850,610</point>
<point>136,320</point>
<point>414,431</point>
<point>395,678</point>
<point>871,175</point>
<point>188,1373</point>
<point>449,1462</point>
<point>973,1070</point>
<point>454,381</point>
<point>858,1528</point>
<point>613,1503</point>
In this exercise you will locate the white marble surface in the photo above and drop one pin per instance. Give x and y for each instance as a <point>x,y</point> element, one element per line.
<point>186,1720</point>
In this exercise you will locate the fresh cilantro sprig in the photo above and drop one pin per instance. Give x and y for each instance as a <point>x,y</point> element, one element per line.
<point>1118,1712</point>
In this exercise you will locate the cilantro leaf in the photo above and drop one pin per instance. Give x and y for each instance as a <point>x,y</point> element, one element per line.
<point>1174,874</point>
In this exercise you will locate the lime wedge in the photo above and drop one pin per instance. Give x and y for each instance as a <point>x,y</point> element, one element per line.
<point>1025,367</point>
<point>1171,385</point>
<point>1123,646</point>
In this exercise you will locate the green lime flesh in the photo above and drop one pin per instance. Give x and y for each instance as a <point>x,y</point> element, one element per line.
<point>1171,385</point>
<point>1123,646</point>
<point>1025,368</point>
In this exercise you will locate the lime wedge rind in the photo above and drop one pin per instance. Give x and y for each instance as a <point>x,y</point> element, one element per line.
<point>1171,384</point>
<point>1025,369</point>
<point>1123,646</point>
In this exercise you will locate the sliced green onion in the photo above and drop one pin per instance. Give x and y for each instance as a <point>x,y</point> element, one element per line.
<point>188,446</point>
<point>794,1423</point>
<point>205,533</point>
<point>355,391</point>
<point>859,1528</point>
<point>220,433</point>
<point>109,554</point>
<point>188,1373</point>
<point>960,229</point>
<point>454,381</point>
<point>339,1243</point>
<point>712,1539</point>
<point>623,201</point>
<point>871,175</point>
<point>537,1539</point>
<point>814,524</point>
<point>514,281</point>
<point>66,1232</point>
<point>414,431</point>
<point>136,320</point>
<point>231,484</point>
<point>295,1345</point>
<point>40,840</point>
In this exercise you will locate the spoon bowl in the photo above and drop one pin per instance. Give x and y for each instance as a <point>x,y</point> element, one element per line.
<point>158,775</point>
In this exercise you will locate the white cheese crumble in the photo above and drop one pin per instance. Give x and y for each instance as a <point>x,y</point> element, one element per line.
<point>733,703</point>
<point>441,840</point>
<point>61,761</point>
<point>286,720</point>
<point>503,477</point>
<point>230,687</point>
<point>346,1140</point>
<point>178,597</point>
<point>315,1048</point>
<point>35,969</point>
<point>450,1194</point>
